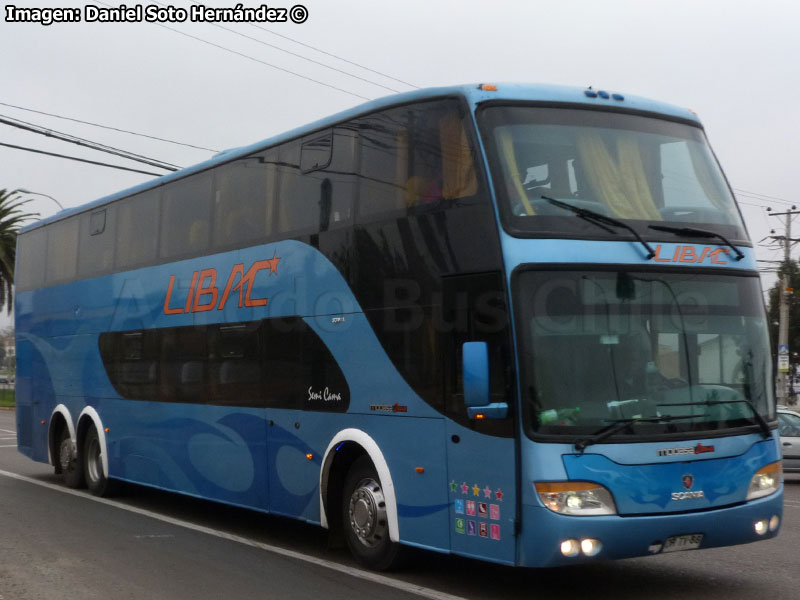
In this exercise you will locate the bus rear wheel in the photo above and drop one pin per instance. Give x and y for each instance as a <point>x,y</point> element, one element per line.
<point>69,461</point>
<point>96,478</point>
<point>364,518</point>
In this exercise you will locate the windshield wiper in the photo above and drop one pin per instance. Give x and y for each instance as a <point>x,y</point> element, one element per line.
<point>600,220</point>
<point>704,233</point>
<point>620,424</point>
<point>762,424</point>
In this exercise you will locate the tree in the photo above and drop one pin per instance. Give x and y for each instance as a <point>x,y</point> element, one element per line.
<point>12,217</point>
<point>773,314</point>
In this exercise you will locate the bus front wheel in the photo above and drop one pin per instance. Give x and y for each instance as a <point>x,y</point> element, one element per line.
<point>69,461</point>
<point>366,526</point>
<point>96,478</point>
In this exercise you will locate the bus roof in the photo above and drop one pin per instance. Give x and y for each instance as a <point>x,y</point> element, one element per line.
<point>474,94</point>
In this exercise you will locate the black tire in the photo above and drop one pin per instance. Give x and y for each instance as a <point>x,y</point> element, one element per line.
<point>364,520</point>
<point>69,461</point>
<point>96,478</point>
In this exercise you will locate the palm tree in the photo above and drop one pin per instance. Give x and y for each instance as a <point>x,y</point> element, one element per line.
<point>11,218</point>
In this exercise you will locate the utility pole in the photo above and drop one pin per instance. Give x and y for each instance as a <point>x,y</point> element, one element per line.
<point>783,380</point>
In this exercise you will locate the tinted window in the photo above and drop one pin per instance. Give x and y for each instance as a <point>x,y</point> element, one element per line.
<point>280,363</point>
<point>62,250</point>
<point>137,229</point>
<point>96,247</point>
<point>243,198</point>
<point>414,158</point>
<point>186,216</point>
<point>31,252</point>
<point>315,153</point>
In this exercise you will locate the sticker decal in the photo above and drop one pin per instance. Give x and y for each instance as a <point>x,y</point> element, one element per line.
<point>487,492</point>
<point>483,530</point>
<point>482,511</point>
<point>464,488</point>
<point>495,531</point>
<point>459,525</point>
<point>470,508</point>
<point>499,495</point>
<point>494,512</point>
<point>476,491</point>
<point>453,486</point>
<point>471,529</point>
<point>460,507</point>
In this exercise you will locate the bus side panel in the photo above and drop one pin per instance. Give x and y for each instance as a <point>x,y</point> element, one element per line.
<point>405,442</point>
<point>214,452</point>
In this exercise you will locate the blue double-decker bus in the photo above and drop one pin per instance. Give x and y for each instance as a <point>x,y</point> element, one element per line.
<point>518,323</point>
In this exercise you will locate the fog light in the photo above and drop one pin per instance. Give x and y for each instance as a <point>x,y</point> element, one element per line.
<point>570,548</point>
<point>590,547</point>
<point>774,522</point>
<point>761,527</point>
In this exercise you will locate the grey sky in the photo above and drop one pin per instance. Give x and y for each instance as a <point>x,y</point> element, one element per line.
<point>735,63</point>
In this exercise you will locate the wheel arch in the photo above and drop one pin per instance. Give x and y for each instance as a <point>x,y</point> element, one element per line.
<point>58,418</point>
<point>90,417</point>
<point>357,442</point>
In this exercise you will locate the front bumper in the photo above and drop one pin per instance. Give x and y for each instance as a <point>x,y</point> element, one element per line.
<point>630,536</point>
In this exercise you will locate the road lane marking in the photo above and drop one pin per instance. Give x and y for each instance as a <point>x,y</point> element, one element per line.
<point>9,446</point>
<point>8,431</point>
<point>404,586</point>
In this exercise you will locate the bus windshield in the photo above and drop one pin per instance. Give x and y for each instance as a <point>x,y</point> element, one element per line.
<point>629,167</point>
<point>604,346</point>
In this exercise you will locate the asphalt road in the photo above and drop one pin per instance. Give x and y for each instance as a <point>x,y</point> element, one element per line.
<point>57,544</point>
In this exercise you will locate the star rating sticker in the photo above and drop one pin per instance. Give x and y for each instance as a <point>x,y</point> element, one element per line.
<point>487,492</point>
<point>499,495</point>
<point>453,486</point>
<point>273,263</point>
<point>476,491</point>
<point>464,488</point>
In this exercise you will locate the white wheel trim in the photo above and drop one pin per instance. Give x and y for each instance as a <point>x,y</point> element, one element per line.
<point>375,454</point>
<point>64,412</point>
<point>91,413</point>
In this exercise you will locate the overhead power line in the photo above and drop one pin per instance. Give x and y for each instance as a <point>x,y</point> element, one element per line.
<point>263,62</point>
<point>91,162</point>
<point>24,125</point>
<point>311,60</point>
<point>759,196</point>
<point>336,56</point>
<point>254,59</point>
<point>144,135</point>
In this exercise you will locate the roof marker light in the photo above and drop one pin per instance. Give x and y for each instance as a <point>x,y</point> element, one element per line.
<point>603,94</point>
<point>590,94</point>
<point>619,97</point>
<point>488,87</point>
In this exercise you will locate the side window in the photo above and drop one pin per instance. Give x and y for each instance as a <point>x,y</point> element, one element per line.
<point>414,159</point>
<point>137,230</point>
<point>31,254</point>
<point>383,168</point>
<point>186,216</point>
<point>96,247</point>
<point>315,153</point>
<point>235,364</point>
<point>62,251</point>
<point>244,196</point>
<point>183,365</point>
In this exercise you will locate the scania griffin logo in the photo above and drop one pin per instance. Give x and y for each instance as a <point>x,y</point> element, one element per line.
<point>688,482</point>
<point>699,449</point>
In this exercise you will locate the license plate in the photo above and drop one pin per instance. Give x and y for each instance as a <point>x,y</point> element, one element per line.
<point>677,543</point>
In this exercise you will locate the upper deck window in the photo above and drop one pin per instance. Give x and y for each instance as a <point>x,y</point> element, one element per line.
<point>640,169</point>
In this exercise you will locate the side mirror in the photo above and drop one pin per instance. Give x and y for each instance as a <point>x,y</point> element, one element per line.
<point>475,369</point>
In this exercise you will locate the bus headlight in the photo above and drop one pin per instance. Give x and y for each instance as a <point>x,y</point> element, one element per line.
<point>766,481</point>
<point>582,498</point>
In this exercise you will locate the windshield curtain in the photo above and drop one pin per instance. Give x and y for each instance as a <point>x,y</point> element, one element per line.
<point>629,167</point>
<point>600,346</point>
